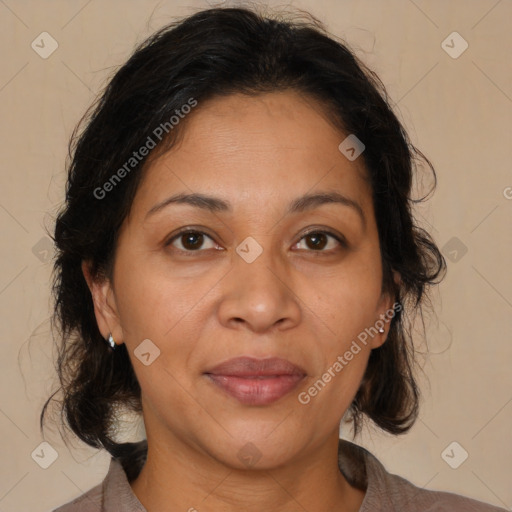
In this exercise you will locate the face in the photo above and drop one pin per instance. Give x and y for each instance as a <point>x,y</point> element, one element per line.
<point>263,272</point>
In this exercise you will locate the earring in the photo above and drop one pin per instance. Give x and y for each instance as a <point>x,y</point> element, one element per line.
<point>111,342</point>
<point>381,330</point>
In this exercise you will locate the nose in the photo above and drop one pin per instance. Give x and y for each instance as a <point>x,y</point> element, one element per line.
<point>259,296</point>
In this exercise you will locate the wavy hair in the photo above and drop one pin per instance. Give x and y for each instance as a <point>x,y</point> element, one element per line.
<point>217,52</point>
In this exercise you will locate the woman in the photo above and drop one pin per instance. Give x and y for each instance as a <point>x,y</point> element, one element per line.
<point>237,261</point>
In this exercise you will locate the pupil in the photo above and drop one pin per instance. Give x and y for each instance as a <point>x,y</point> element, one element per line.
<point>192,240</point>
<point>317,244</point>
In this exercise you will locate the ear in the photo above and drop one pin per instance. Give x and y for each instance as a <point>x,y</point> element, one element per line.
<point>385,313</point>
<point>105,308</point>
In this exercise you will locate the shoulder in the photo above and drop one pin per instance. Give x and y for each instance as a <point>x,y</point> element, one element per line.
<point>94,500</point>
<point>114,493</point>
<point>389,492</point>
<point>91,501</point>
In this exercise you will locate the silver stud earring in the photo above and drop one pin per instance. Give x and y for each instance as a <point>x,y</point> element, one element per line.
<point>381,330</point>
<point>111,342</point>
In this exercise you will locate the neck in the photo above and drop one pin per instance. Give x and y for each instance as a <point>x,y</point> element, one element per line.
<point>178,477</point>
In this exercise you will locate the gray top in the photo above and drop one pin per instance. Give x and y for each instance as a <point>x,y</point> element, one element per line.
<point>385,492</point>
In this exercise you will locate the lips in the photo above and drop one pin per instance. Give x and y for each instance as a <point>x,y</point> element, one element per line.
<point>255,381</point>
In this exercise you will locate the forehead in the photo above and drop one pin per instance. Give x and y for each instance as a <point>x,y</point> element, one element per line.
<point>253,149</point>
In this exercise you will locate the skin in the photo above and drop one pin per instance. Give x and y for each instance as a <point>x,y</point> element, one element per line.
<point>295,301</point>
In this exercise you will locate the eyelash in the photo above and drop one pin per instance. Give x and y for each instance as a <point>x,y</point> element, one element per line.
<point>339,239</point>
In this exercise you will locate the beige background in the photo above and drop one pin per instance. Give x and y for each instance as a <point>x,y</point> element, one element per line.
<point>458,111</point>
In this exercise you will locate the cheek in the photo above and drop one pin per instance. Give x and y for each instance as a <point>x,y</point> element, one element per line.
<point>153,300</point>
<point>347,300</point>
<point>168,309</point>
<point>344,358</point>
<point>346,304</point>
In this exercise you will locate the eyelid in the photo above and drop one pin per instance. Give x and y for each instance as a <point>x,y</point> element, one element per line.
<point>326,231</point>
<point>184,231</point>
<point>313,230</point>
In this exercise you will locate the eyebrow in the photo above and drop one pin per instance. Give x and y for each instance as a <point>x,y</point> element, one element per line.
<point>298,205</point>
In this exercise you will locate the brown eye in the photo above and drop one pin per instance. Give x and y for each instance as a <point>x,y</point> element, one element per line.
<point>190,241</point>
<point>317,241</point>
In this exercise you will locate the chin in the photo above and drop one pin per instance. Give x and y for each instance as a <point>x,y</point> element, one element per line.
<point>256,449</point>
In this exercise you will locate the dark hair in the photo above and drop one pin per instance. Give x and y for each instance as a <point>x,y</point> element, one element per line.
<point>218,52</point>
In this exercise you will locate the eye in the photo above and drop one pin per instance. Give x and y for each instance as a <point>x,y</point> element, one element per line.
<point>190,241</point>
<point>319,240</point>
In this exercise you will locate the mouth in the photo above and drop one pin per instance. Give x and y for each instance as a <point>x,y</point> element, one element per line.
<point>256,381</point>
